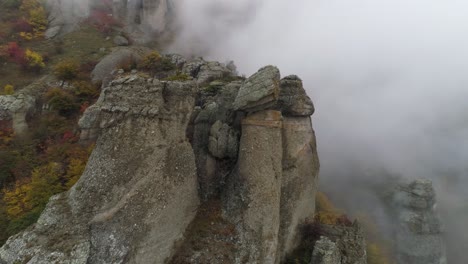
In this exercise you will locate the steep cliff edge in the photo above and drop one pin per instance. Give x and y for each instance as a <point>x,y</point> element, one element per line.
<point>163,148</point>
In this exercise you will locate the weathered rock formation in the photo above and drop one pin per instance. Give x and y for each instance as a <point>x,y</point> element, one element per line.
<point>348,239</point>
<point>164,146</point>
<point>64,15</point>
<point>140,17</point>
<point>418,229</point>
<point>144,15</point>
<point>325,252</point>
<point>16,109</point>
<point>121,56</point>
<point>139,190</point>
<point>272,190</point>
<point>13,111</point>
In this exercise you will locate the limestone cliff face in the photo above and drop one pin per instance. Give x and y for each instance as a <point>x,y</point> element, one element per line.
<point>139,190</point>
<point>147,15</point>
<point>164,147</point>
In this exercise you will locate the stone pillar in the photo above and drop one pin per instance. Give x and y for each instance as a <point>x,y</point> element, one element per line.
<point>259,171</point>
<point>299,180</point>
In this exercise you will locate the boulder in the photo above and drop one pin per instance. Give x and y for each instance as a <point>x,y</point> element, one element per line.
<point>260,91</point>
<point>52,32</point>
<point>102,72</point>
<point>223,141</point>
<point>206,71</point>
<point>293,100</point>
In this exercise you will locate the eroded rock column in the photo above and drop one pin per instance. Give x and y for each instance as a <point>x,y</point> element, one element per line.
<point>299,182</point>
<point>259,173</point>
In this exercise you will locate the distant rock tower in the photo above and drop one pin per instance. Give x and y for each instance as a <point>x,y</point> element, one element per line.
<point>418,231</point>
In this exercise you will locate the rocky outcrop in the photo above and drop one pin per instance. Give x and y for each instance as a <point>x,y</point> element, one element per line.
<point>350,241</point>
<point>272,190</point>
<point>139,190</point>
<point>205,71</point>
<point>17,109</point>
<point>122,56</point>
<point>260,91</point>
<point>164,146</point>
<point>14,110</point>
<point>418,229</point>
<point>325,252</point>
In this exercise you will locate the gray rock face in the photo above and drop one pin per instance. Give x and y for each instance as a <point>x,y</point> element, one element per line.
<point>14,109</point>
<point>205,72</point>
<point>325,252</point>
<point>223,141</point>
<point>260,91</point>
<point>350,242</point>
<point>419,233</point>
<point>259,175</point>
<point>293,99</point>
<point>64,15</point>
<point>139,190</point>
<point>211,170</point>
<point>272,191</point>
<point>102,71</point>
<point>164,146</point>
<point>143,16</point>
<point>300,168</point>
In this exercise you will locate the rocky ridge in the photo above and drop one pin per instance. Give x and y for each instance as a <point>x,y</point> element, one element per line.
<point>164,147</point>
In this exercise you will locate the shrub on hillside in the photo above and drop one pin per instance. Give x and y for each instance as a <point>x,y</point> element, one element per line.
<point>85,90</point>
<point>36,17</point>
<point>154,62</point>
<point>61,101</point>
<point>34,61</point>
<point>8,89</point>
<point>66,70</point>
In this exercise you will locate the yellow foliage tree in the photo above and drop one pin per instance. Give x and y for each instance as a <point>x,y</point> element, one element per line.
<point>34,60</point>
<point>8,89</point>
<point>16,199</point>
<point>66,70</point>
<point>26,196</point>
<point>36,17</point>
